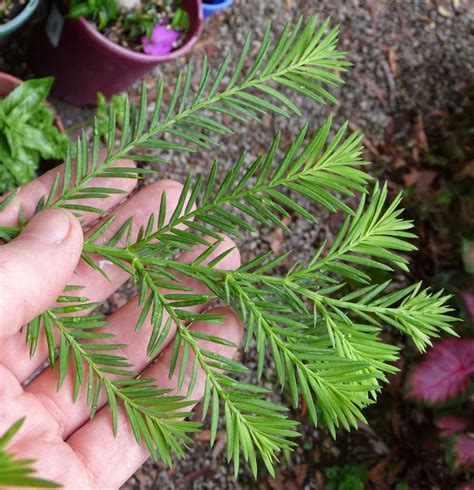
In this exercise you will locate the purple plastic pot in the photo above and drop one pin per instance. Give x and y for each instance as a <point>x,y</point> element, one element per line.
<point>85,62</point>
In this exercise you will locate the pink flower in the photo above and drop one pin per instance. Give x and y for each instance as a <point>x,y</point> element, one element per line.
<point>161,41</point>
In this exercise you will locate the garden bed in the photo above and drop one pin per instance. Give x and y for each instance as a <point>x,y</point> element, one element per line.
<point>408,89</point>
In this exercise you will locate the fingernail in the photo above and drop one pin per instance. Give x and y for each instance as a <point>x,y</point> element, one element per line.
<point>50,226</point>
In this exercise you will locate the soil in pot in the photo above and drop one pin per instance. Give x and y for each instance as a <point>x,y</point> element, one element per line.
<point>154,27</point>
<point>9,9</point>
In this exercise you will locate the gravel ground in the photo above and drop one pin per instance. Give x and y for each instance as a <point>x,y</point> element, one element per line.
<point>412,59</point>
<point>408,60</point>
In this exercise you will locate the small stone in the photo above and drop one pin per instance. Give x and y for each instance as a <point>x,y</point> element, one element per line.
<point>129,5</point>
<point>445,12</point>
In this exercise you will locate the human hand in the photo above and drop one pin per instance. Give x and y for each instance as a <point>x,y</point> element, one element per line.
<point>34,269</point>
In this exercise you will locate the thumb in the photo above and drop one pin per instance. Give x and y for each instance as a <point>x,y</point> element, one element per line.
<point>35,267</point>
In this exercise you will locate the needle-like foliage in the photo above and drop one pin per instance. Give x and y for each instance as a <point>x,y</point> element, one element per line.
<point>15,472</point>
<point>321,320</point>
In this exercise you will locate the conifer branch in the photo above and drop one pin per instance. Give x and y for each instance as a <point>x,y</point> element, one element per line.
<point>254,426</point>
<point>304,59</point>
<point>155,415</point>
<point>323,334</point>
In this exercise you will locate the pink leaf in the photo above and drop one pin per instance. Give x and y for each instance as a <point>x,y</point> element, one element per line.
<point>464,450</point>
<point>451,424</point>
<point>469,301</point>
<point>467,486</point>
<point>445,372</point>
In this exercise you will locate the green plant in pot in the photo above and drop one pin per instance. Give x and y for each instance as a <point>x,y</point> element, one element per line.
<point>319,321</point>
<point>106,45</point>
<point>154,27</point>
<point>29,133</point>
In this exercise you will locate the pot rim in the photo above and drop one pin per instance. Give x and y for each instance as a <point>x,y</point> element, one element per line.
<point>20,19</point>
<point>142,57</point>
<point>221,4</point>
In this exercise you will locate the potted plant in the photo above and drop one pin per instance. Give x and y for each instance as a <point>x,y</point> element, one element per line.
<point>31,135</point>
<point>210,7</point>
<point>14,14</point>
<point>105,48</point>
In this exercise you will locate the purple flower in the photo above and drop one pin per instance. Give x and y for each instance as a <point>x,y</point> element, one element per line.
<point>161,41</point>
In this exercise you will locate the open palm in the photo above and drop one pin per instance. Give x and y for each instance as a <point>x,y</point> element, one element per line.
<point>34,268</point>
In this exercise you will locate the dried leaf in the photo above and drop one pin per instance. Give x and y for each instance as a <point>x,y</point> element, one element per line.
<point>421,137</point>
<point>378,473</point>
<point>422,180</point>
<point>372,5</point>
<point>220,444</point>
<point>301,470</point>
<point>205,473</point>
<point>277,483</point>
<point>278,237</point>
<point>365,140</point>
<point>375,89</point>
<point>392,61</point>
<point>140,476</point>
<point>204,435</point>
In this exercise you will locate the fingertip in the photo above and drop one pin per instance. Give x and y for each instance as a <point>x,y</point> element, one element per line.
<point>53,227</point>
<point>234,325</point>
<point>122,162</point>
<point>37,265</point>
<point>169,185</point>
<point>54,237</point>
<point>173,190</point>
<point>232,260</point>
<point>76,234</point>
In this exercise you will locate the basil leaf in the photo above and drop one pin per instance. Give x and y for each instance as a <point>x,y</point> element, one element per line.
<point>25,99</point>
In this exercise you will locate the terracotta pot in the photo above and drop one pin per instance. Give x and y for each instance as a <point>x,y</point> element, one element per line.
<point>84,62</point>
